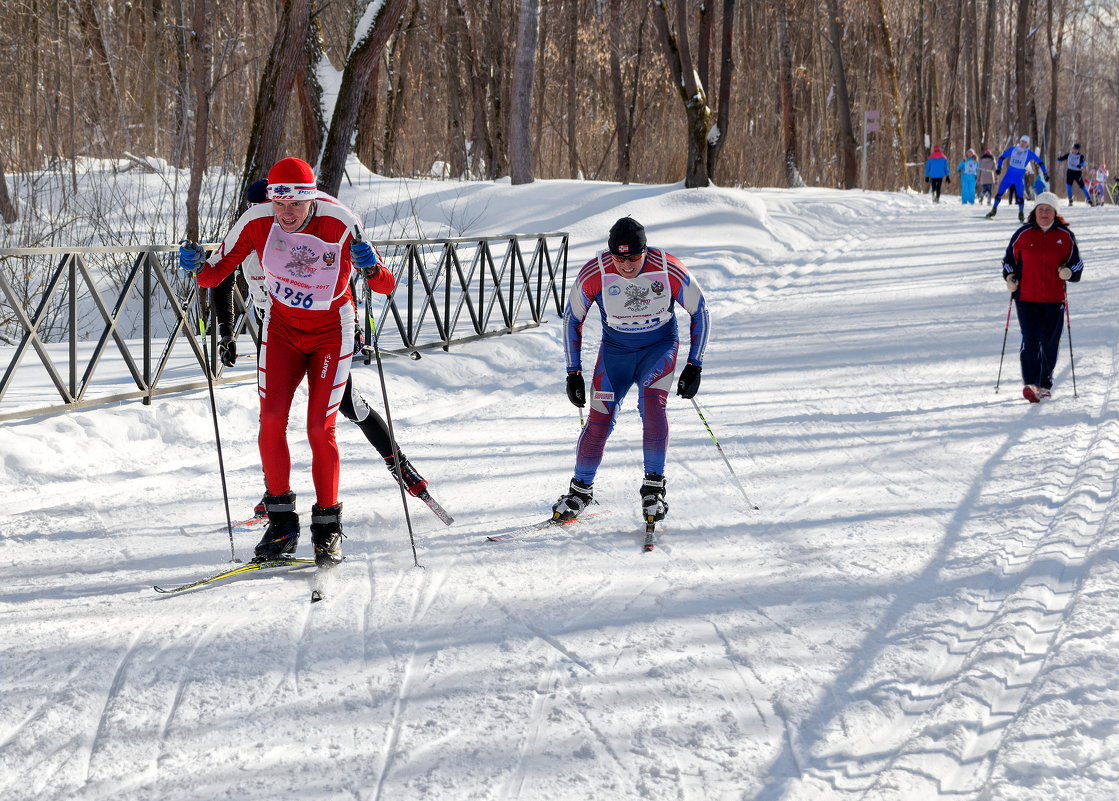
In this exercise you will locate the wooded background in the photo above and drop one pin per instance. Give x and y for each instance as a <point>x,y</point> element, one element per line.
<point>735,93</point>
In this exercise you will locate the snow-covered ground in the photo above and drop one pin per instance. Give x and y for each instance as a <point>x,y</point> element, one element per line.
<point>924,607</point>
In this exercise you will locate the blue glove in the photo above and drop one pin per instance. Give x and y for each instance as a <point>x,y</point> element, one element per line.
<point>192,256</point>
<point>365,258</point>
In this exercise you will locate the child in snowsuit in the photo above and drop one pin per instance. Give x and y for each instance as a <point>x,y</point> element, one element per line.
<point>969,171</point>
<point>986,176</point>
<point>936,170</point>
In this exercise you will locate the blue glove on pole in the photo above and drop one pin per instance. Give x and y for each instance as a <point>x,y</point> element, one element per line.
<point>192,256</point>
<point>365,258</point>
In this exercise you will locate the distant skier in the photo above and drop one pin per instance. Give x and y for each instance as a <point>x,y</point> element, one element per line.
<point>1018,157</point>
<point>1074,172</point>
<point>1041,257</point>
<point>936,170</point>
<point>969,171</point>
<point>986,176</point>
<point>1099,184</point>
<point>307,247</point>
<point>636,289</point>
<point>354,406</point>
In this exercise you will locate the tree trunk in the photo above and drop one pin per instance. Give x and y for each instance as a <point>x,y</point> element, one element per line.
<point>456,131</point>
<point>788,110</point>
<point>7,209</point>
<point>312,114</point>
<point>201,52</point>
<point>726,75</point>
<point>520,115</point>
<point>888,74</point>
<point>682,71</point>
<point>617,87</point>
<point>846,147</point>
<point>276,82</point>
<point>572,87</point>
<point>985,135</point>
<point>355,76</point>
<point>1021,78</point>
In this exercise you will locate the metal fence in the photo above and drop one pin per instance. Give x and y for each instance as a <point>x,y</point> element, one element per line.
<point>448,291</point>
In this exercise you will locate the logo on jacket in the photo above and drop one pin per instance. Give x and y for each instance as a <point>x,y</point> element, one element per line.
<point>658,287</point>
<point>328,258</point>
<point>302,260</point>
<point>637,297</point>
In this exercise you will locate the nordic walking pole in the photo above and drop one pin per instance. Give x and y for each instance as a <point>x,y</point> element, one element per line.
<point>725,460</point>
<point>1071,361</point>
<point>214,413</point>
<point>388,415</point>
<point>1004,333</point>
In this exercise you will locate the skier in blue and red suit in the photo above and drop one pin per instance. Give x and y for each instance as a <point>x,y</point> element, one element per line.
<point>636,289</point>
<point>1018,157</point>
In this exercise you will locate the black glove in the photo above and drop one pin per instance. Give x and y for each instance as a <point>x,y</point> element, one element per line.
<point>998,170</point>
<point>947,180</point>
<point>926,179</point>
<point>688,385</point>
<point>576,389</point>
<point>227,351</point>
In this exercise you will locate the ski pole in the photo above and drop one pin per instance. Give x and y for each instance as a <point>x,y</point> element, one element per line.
<point>725,460</point>
<point>388,415</point>
<point>214,414</point>
<point>1071,361</point>
<point>1004,333</point>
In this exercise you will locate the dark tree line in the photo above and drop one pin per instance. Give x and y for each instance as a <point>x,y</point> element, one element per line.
<point>721,92</point>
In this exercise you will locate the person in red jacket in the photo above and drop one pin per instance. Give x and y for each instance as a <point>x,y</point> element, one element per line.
<point>1041,257</point>
<point>307,248</point>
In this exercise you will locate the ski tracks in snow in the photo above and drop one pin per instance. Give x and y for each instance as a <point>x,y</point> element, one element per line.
<point>961,667</point>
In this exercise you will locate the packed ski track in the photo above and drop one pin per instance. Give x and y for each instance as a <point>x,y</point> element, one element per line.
<point>923,607</point>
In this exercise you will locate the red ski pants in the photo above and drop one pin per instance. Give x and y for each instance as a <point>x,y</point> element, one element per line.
<point>287,354</point>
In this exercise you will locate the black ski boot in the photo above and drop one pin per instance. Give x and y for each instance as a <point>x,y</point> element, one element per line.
<point>992,212</point>
<point>652,497</point>
<point>413,481</point>
<point>571,505</point>
<point>282,535</point>
<point>326,535</point>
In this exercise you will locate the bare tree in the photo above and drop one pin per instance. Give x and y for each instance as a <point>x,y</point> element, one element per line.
<point>355,75</point>
<point>520,114</point>
<point>845,136</point>
<point>684,76</point>
<point>7,210</point>
<point>276,82</point>
<point>716,142</point>
<point>200,61</point>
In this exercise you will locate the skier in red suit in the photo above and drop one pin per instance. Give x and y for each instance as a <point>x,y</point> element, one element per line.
<point>307,248</point>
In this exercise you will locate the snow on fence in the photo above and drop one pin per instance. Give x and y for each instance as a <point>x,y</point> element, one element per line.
<point>68,304</point>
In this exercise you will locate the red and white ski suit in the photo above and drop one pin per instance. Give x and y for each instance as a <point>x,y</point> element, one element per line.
<point>308,330</point>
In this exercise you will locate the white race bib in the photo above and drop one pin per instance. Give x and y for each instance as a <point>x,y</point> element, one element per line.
<point>301,269</point>
<point>643,303</point>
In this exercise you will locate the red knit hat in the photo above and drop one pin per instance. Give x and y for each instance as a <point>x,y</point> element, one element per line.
<point>292,179</point>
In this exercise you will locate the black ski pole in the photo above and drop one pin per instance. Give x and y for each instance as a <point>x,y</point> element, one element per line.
<point>1071,361</point>
<point>725,460</point>
<point>388,415</point>
<point>1004,333</point>
<point>214,413</point>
